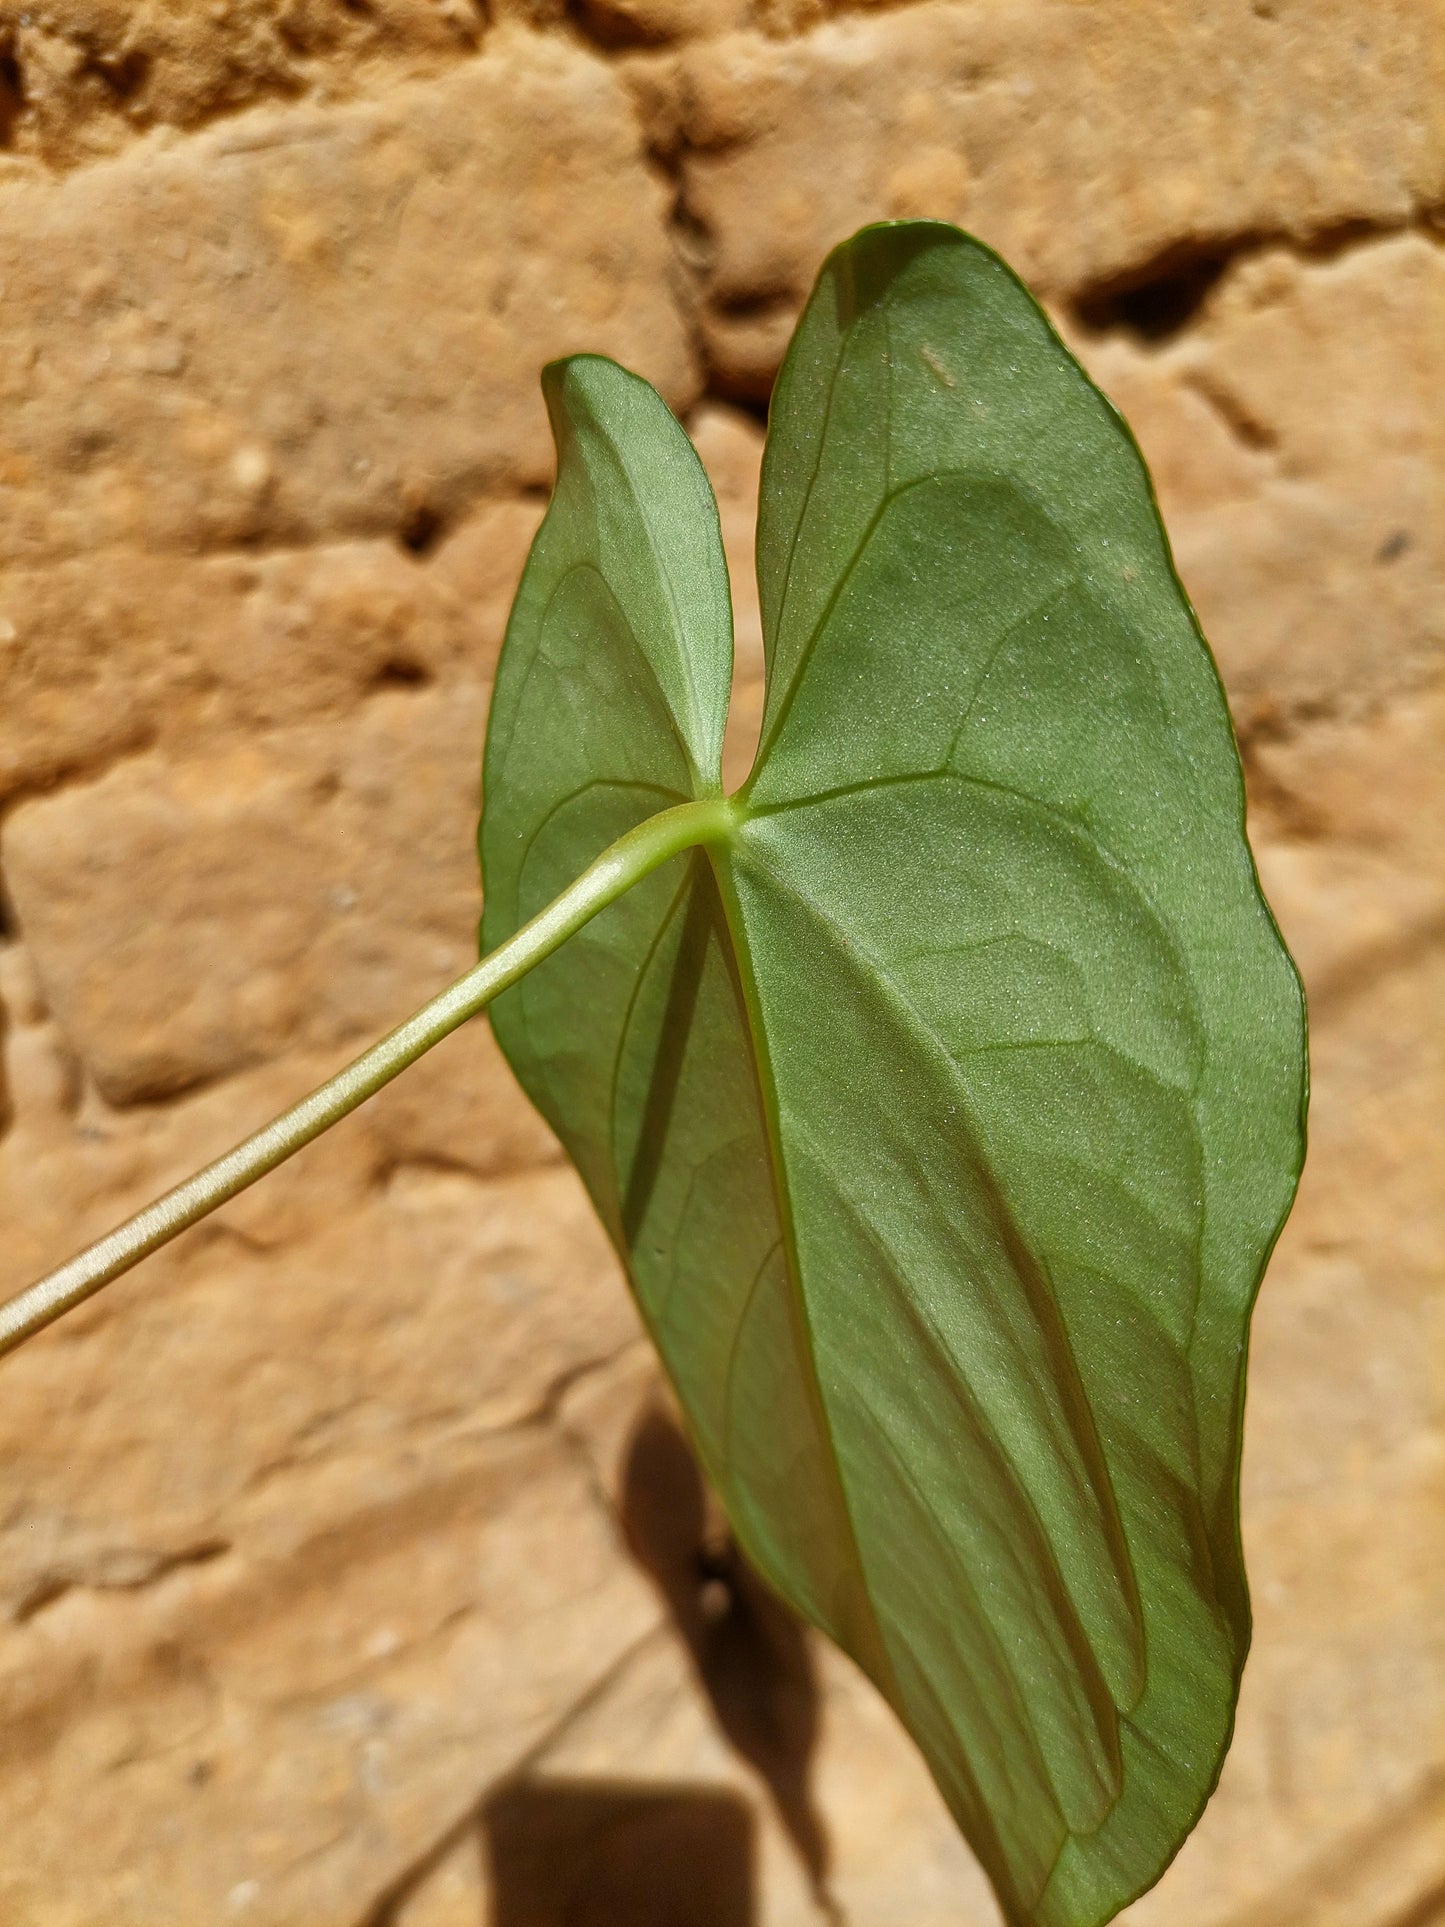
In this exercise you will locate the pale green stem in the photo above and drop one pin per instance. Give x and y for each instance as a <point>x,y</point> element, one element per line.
<point>628,860</point>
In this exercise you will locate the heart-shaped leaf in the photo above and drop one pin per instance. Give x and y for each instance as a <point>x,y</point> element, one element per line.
<point>944,1112</point>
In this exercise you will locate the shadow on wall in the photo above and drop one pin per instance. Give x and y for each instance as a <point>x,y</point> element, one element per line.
<point>581,1853</point>
<point>750,1654</point>
<point>633,1853</point>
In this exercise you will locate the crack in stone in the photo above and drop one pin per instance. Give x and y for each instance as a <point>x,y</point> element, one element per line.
<point>67,772</point>
<point>421,528</point>
<point>444,1429</point>
<point>1160,298</point>
<point>151,1568</point>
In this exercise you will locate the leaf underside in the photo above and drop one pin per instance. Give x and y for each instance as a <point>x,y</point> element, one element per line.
<point>946,1116</point>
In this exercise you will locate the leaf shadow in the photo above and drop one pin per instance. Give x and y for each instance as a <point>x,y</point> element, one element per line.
<point>699,927</point>
<point>750,1654</point>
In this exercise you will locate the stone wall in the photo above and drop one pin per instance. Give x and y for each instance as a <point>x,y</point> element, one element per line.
<point>350,1571</point>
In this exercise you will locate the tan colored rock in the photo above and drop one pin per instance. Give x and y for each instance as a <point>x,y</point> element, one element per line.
<point>307,890</point>
<point>1297,443</point>
<point>88,74</point>
<point>266,1732</point>
<point>185,359</point>
<point>1088,143</point>
<point>103,655</point>
<point>333,1566</point>
<point>354,845</point>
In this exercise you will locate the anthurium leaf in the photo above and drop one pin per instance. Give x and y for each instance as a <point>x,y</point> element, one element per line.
<point>945,1111</point>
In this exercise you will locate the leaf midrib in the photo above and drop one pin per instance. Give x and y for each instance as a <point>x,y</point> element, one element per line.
<point>760,1066</point>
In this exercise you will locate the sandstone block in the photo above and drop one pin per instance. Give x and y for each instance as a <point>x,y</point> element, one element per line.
<point>103,655</point>
<point>310,1710</point>
<point>188,918</point>
<point>1086,143</point>
<point>88,74</point>
<point>276,1634</point>
<point>1298,448</point>
<point>311,321</point>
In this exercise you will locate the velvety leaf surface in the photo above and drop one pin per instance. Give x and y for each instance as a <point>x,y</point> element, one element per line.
<point>945,1115</point>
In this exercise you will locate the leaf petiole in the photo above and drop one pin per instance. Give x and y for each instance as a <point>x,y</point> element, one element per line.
<point>624,863</point>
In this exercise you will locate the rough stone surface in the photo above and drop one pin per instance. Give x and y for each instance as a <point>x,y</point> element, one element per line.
<point>108,653</point>
<point>351,1570</point>
<point>311,319</point>
<point>1299,452</point>
<point>87,75</point>
<point>1094,145</point>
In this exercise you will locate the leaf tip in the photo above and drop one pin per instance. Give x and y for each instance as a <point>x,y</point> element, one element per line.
<point>865,267</point>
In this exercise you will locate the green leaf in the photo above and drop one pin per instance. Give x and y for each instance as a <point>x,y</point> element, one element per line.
<point>946,1112</point>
